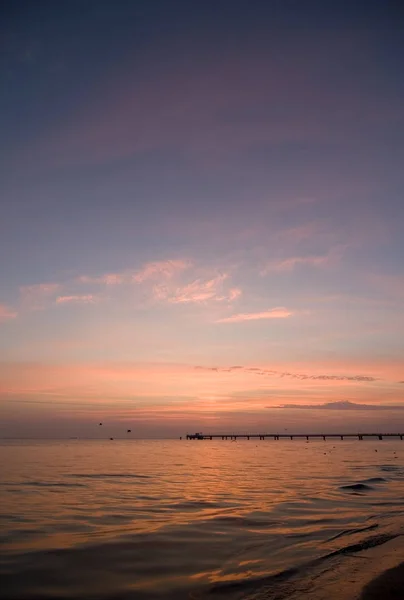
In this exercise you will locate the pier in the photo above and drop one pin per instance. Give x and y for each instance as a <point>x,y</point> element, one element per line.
<point>290,436</point>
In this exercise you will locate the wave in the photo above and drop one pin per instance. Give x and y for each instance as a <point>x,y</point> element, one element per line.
<point>108,476</point>
<point>32,569</point>
<point>392,468</point>
<point>47,484</point>
<point>196,505</point>
<point>357,487</point>
<point>240,521</point>
<point>371,542</point>
<point>353,531</point>
<point>261,584</point>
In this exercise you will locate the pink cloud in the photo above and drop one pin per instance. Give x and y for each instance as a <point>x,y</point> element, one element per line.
<point>6,313</point>
<point>35,297</point>
<point>40,288</point>
<point>198,291</point>
<point>274,313</point>
<point>164,392</point>
<point>89,299</point>
<point>234,293</point>
<point>166,281</point>
<point>300,233</point>
<point>165,269</point>
<point>160,380</point>
<point>288,264</point>
<point>93,136</point>
<point>270,372</point>
<point>107,279</point>
<point>141,121</point>
<point>333,256</point>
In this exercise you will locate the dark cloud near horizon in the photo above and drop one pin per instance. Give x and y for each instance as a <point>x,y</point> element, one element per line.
<point>300,376</point>
<point>342,405</point>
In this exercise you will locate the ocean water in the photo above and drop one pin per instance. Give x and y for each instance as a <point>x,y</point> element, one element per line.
<point>191,519</point>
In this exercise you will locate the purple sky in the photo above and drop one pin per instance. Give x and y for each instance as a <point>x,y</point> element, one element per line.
<point>188,187</point>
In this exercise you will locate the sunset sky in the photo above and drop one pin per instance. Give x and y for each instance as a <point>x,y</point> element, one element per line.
<point>202,216</point>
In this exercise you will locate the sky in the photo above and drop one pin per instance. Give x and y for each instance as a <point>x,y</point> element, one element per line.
<point>201,217</point>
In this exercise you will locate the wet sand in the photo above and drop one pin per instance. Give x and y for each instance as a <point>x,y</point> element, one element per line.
<point>372,574</point>
<point>382,573</point>
<point>389,585</point>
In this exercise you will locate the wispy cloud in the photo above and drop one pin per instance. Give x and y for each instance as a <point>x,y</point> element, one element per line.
<point>294,236</point>
<point>156,270</point>
<point>36,297</point>
<point>88,299</point>
<point>303,376</point>
<point>6,313</point>
<point>289,263</point>
<point>165,269</point>
<point>342,405</point>
<point>300,376</point>
<point>274,313</point>
<point>202,291</point>
<point>176,281</point>
<point>234,293</point>
<point>106,279</point>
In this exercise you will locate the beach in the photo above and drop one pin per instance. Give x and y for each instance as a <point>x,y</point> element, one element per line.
<point>372,574</point>
<point>389,584</point>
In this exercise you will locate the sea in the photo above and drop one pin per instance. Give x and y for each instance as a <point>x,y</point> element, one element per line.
<point>179,519</point>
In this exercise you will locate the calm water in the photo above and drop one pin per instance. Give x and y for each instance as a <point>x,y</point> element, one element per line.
<point>188,519</point>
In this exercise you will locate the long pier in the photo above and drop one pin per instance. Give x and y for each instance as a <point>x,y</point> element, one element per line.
<point>291,436</point>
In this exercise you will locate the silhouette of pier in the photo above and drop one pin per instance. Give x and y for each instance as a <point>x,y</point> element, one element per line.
<point>291,436</point>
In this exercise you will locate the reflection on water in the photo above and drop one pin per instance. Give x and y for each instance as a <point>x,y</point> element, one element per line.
<point>177,519</point>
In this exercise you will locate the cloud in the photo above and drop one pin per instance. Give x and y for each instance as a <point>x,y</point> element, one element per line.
<point>294,236</point>
<point>107,279</point>
<point>199,291</point>
<point>234,293</point>
<point>165,281</point>
<point>303,376</point>
<point>35,297</point>
<point>88,299</point>
<point>165,269</point>
<point>342,405</point>
<point>300,376</point>
<point>230,117</point>
<point>312,260</point>
<point>333,377</point>
<point>288,264</point>
<point>6,313</point>
<point>274,313</point>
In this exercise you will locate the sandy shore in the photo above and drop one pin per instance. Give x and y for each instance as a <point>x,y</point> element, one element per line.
<point>388,586</point>
<point>376,573</point>
<point>373,574</point>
